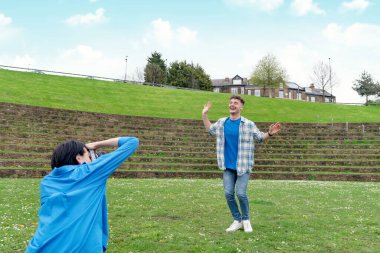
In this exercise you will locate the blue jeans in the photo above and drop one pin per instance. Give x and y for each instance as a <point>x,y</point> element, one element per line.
<point>230,181</point>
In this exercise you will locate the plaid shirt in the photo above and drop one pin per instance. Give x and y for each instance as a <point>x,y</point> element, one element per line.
<point>248,133</point>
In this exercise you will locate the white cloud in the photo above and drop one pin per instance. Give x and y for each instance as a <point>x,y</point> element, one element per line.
<point>81,53</point>
<point>358,34</point>
<point>303,7</point>
<point>164,35</point>
<point>7,31</point>
<point>298,60</point>
<point>84,59</point>
<point>186,36</point>
<point>264,5</point>
<point>162,32</point>
<point>87,19</point>
<point>4,20</point>
<point>355,48</point>
<point>355,5</point>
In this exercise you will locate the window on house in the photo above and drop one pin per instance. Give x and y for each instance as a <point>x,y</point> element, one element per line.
<point>234,90</point>
<point>281,86</point>
<point>290,94</point>
<point>249,92</point>
<point>236,81</point>
<point>216,89</point>
<point>281,94</point>
<point>327,100</point>
<point>299,96</point>
<point>257,93</point>
<point>242,90</point>
<point>312,99</point>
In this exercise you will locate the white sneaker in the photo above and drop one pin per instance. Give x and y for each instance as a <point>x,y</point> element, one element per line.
<point>247,226</point>
<point>236,225</point>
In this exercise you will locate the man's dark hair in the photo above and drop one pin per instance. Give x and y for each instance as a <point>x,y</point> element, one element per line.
<point>238,98</point>
<point>65,154</point>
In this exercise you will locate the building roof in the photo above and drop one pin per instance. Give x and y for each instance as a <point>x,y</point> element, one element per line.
<point>228,81</point>
<point>294,86</point>
<point>317,92</point>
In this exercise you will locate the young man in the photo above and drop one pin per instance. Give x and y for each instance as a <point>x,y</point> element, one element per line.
<point>73,212</point>
<point>235,139</point>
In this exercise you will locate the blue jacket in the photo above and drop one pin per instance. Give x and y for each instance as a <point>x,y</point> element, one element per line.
<point>73,212</point>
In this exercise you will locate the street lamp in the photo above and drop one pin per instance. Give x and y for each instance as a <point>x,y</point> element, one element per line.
<point>126,64</point>
<point>330,82</point>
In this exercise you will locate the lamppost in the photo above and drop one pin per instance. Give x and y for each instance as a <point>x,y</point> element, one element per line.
<point>330,83</point>
<point>126,64</point>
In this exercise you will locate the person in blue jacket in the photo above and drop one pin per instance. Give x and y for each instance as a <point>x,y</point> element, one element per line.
<point>73,212</point>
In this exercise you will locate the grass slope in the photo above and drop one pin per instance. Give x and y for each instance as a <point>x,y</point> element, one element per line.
<point>119,98</point>
<point>169,215</point>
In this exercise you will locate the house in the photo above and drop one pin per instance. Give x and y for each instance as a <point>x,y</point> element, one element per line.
<point>289,90</point>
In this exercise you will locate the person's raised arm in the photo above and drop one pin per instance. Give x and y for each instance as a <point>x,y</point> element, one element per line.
<point>103,166</point>
<point>205,119</point>
<point>105,143</point>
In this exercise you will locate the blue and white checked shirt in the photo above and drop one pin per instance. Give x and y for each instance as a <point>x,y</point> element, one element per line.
<point>248,134</point>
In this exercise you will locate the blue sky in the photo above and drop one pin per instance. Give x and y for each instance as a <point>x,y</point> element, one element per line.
<point>226,37</point>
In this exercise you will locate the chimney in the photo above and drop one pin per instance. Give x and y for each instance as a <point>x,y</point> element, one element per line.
<point>312,87</point>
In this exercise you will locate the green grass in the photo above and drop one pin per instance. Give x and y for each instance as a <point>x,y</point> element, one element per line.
<point>173,215</point>
<point>119,98</point>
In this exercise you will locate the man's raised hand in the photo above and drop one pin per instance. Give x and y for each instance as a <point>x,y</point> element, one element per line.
<point>206,107</point>
<point>274,128</point>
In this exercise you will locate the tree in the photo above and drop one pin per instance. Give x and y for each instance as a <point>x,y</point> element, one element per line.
<point>268,73</point>
<point>366,86</point>
<point>321,77</point>
<point>183,74</point>
<point>179,74</point>
<point>138,75</point>
<point>156,58</point>
<point>201,80</point>
<point>155,74</point>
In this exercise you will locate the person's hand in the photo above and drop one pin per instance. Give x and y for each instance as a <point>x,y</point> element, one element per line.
<point>91,145</point>
<point>274,128</point>
<point>206,107</point>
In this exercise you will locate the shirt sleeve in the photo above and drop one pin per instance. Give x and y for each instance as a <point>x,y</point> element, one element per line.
<point>257,134</point>
<point>213,128</point>
<point>104,166</point>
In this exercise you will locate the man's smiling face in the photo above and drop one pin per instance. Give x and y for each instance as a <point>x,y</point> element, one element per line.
<point>235,106</point>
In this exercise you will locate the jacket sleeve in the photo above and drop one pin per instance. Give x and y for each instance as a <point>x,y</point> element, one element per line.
<point>104,166</point>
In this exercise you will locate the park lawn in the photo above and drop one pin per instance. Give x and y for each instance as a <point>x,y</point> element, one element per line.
<point>179,215</point>
<point>140,100</point>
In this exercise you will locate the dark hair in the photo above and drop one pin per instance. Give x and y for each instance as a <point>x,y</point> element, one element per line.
<point>238,98</point>
<point>65,154</point>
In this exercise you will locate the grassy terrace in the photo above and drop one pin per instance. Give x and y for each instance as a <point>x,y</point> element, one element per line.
<point>172,215</point>
<point>181,148</point>
<point>119,98</point>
